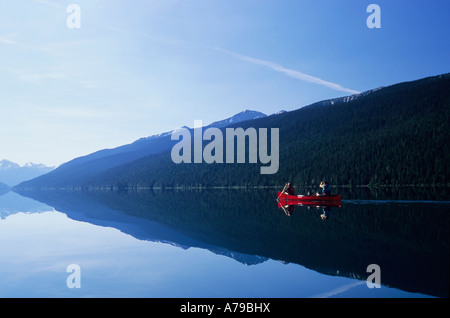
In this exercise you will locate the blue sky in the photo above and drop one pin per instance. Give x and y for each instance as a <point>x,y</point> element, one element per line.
<point>138,68</point>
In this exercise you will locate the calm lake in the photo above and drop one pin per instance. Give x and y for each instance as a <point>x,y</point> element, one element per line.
<point>223,243</point>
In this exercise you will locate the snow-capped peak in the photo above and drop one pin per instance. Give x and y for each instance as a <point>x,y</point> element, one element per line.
<point>6,164</point>
<point>279,112</point>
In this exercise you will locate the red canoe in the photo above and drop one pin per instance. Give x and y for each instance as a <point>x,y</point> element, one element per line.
<point>309,199</point>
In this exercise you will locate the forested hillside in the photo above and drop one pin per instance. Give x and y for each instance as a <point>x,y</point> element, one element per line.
<point>395,135</point>
<point>75,172</point>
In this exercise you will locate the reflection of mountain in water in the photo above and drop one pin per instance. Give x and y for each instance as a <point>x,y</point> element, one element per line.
<point>4,188</point>
<point>11,203</point>
<point>82,208</point>
<point>408,241</point>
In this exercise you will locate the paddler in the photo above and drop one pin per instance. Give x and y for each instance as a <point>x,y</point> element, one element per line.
<point>325,189</point>
<point>289,189</point>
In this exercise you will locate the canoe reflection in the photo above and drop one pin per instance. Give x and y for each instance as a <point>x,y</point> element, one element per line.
<point>325,209</point>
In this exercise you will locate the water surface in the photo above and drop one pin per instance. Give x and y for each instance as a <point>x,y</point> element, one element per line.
<point>220,243</point>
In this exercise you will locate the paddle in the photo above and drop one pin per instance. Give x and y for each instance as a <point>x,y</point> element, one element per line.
<point>284,209</point>
<point>282,191</point>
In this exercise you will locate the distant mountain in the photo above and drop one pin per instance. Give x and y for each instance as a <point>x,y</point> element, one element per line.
<point>74,172</point>
<point>6,165</point>
<point>11,173</point>
<point>240,117</point>
<point>395,135</point>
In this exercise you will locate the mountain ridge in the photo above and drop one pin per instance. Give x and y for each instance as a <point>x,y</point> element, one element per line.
<point>239,117</point>
<point>12,173</point>
<point>80,168</point>
<point>394,135</point>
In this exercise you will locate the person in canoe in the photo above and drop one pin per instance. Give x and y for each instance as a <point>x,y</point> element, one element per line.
<point>325,189</point>
<point>289,189</point>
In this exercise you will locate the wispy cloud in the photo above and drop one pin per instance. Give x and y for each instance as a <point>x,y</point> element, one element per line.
<point>339,290</point>
<point>49,3</point>
<point>292,73</point>
<point>62,46</point>
<point>8,38</point>
<point>72,112</point>
<point>28,76</point>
